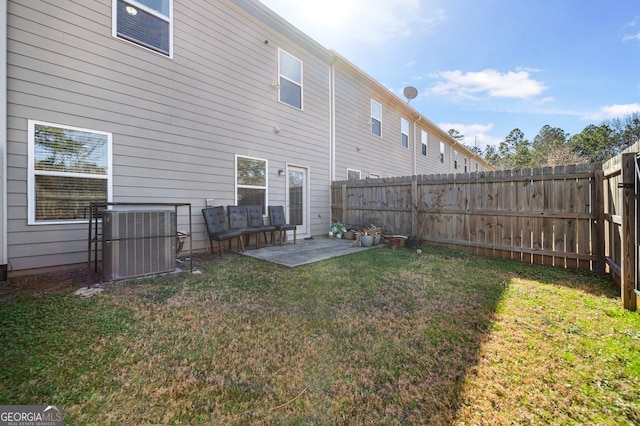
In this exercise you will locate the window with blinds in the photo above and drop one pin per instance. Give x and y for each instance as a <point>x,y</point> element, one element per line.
<point>147,23</point>
<point>424,140</point>
<point>404,133</point>
<point>68,169</point>
<point>376,118</point>
<point>353,174</point>
<point>251,182</point>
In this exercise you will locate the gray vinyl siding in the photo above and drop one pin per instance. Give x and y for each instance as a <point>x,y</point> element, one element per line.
<point>431,163</point>
<point>358,149</point>
<point>176,123</point>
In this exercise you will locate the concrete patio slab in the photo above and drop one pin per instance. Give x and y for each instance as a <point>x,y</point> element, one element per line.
<point>304,251</point>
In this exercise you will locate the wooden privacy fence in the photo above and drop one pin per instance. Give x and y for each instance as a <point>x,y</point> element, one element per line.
<point>568,216</point>
<point>545,216</point>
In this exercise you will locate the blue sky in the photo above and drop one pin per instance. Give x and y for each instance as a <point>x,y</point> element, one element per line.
<point>487,67</point>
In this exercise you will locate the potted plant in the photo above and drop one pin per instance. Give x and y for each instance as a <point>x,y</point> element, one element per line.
<point>349,235</point>
<point>366,239</point>
<point>337,229</point>
<point>414,242</point>
<point>368,236</point>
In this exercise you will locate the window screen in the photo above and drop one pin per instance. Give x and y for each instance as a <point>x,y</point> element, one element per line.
<point>423,136</point>
<point>290,79</point>
<point>353,174</point>
<point>69,170</point>
<point>251,182</point>
<point>145,22</point>
<point>404,133</point>
<point>376,118</point>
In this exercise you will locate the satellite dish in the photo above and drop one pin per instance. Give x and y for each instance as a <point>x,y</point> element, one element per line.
<point>410,92</point>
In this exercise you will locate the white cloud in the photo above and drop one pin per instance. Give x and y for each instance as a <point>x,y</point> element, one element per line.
<point>613,111</point>
<point>529,70</point>
<point>335,23</point>
<point>488,82</point>
<point>631,37</point>
<point>545,100</point>
<point>473,133</point>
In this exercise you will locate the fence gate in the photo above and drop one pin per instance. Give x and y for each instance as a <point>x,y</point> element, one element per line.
<point>621,220</point>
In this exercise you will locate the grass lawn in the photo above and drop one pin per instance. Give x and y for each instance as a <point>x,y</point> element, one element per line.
<point>382,337</point>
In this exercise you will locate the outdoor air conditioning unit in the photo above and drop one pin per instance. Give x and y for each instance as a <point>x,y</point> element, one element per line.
<point>136,243</point>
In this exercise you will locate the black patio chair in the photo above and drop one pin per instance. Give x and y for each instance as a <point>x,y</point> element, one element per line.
<point>254,214</point>
<point>215,219</point>
<point>276,214</point>
<point>239,219</point>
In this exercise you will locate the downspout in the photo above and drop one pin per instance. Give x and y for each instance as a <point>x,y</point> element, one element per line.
<point>3,143</point>
<point>332,136</point>
<point>332,107</point>
<point>453,148</point>
<point>416,144</point>
<point>415,147</point>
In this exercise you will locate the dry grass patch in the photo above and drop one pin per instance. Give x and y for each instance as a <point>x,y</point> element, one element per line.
<point>381,336</point>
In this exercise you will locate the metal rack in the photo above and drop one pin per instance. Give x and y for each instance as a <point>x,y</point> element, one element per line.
<point>95,237</point>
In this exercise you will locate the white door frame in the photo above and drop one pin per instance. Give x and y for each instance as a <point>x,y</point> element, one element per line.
<point>303,230</point>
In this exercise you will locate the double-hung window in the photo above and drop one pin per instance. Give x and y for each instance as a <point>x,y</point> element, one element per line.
<point>353,174</point>
<point>290,72</point>
<point>442,152</point>
<point>424,140</point>
<point>376,118</point>
<point>404,133</point>
<point>455,159</point>
<point>251,182</point>
<point>148,23</point>
<point>69,168</point>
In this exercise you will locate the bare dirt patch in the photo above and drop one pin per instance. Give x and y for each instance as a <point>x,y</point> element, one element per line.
<point>71,280</point>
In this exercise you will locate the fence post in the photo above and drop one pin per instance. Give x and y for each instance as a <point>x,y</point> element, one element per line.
<point>598,227</point>
<point>414,206</point>
<point>344,203</point>
<point>628,267</point>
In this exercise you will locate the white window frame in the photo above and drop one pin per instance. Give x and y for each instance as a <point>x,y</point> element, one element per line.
<point>147,9</point>
<point>466,168</point>
<point>287,78</point>
<point>455,160</point>
<point>404,133</point>
<point>32,172</point>
<point>374,117</point>
<point>266,179</point>
<point>374,176</point>
<point>442,152</point>
<point>355,171</point>
<point>424,138</point>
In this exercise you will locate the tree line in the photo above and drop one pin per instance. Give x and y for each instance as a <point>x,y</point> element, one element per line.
<point>552,146</point>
